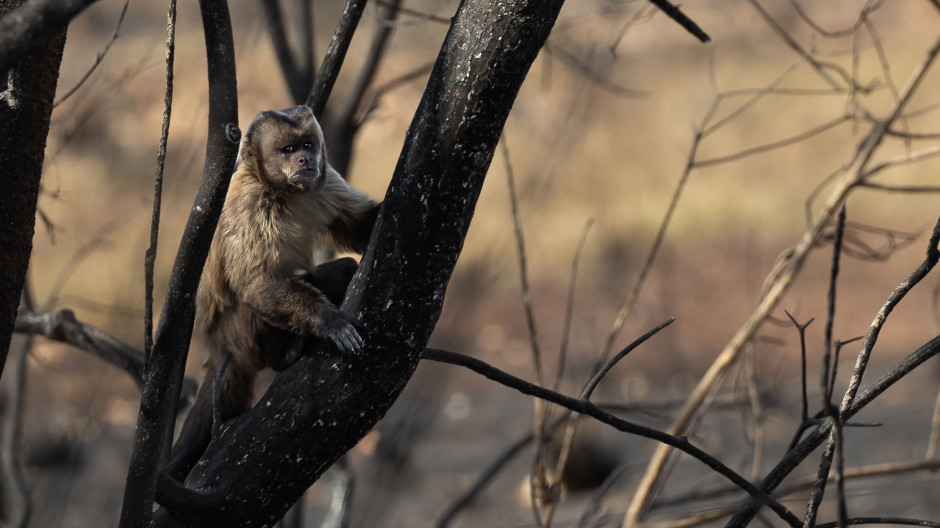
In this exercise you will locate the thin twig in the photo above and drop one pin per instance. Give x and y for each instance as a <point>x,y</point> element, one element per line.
<point>819,29</point>
<point>98,59</point>
<point>802,136</point>
<point>151,254</point>
<point>816,495</point>
<point>778,284</point>
<point>62,326</point>
<point>523,265</point>
<point>680,18</point>
<point>538,479</point>
<point>388,13</point>
<point>934,431</point>
<point>933,254</point>
<point>851,404</point>
<point>587,408</point>
<point>86,250</point>
<point>599,79</point>
<point>569,305</point>
<point>589,388</point>
<point>804,409</point>
<point>485,478</point>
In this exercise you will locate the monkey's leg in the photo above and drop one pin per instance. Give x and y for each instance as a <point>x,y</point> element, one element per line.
<point>235,394</point>
<point>281,348</point>
<point>333,278</point>
<point>217,381</point>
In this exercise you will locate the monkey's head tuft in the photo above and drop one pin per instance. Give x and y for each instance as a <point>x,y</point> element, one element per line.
<point>286,147</point>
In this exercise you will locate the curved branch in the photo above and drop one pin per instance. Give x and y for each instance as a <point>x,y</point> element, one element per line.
<point>28,27</point>
<point>62,326</point>
<point>809,444</point>
<point>582,406</point>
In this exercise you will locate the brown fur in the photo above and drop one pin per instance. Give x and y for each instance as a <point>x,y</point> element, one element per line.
<point>260,289</point>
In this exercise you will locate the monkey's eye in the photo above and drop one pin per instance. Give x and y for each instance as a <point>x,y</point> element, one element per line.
<point>308,145</point>
<point>288,149</point>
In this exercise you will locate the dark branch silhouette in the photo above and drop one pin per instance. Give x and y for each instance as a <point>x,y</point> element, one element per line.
<point>167,360</point>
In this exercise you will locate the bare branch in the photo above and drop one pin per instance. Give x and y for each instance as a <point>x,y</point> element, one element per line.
<point>569,305</point>
<point>674,13</point>
<point>33,24</point>
<point>298,72</point>
<point>151,254</point>
<point>335,55</point>
<point>98,59</point>
<point>585,407</point>
<point>850,403</point>
<point>585,70</point>
<point>387,14</point>
<point>774,145</point>
<point>62,326</point>
<point>778,283</point>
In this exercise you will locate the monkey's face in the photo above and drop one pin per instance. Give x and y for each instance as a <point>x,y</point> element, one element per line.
<point>285,148</point>
<point>302,163</point>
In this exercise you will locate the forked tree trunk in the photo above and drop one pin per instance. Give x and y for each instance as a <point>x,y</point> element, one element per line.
<point>320,407</point>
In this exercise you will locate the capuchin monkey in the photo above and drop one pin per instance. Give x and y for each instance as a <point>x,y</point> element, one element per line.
<point>261,294</point>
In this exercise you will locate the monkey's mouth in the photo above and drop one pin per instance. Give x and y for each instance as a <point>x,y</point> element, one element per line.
<point>304,178</point>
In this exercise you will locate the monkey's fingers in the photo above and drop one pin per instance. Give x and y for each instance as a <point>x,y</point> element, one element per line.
<point>348,340</point>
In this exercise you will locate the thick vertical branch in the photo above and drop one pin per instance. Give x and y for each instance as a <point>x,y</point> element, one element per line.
<point>151,255</point>
<point>321,406</point>
<point>335,55</point>
<point>166,363</point>
<point>27,91</point>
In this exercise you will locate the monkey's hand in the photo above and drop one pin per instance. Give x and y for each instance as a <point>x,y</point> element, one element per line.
<point>339,328</point>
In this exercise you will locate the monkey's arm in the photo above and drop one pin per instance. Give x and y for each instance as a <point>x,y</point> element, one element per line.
<point>355,214</point>
<point>291,303</point>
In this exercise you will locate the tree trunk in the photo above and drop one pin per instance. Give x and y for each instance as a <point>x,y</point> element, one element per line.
<point>26,95</point>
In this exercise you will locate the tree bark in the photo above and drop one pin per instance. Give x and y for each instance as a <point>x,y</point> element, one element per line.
<point>315,411</point>
<point>26,95</point>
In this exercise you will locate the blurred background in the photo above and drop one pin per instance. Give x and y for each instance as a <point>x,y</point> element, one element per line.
<point>601,132</point>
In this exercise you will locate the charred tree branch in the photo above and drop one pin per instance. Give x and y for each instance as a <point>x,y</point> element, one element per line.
<point>33,24</point>
<point>62,326</point>
<point>164,369</point>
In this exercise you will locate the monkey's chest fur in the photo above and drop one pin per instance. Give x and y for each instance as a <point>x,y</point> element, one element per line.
<point>262,240</point>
